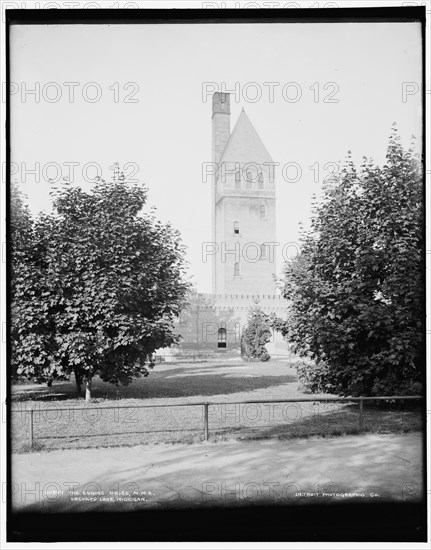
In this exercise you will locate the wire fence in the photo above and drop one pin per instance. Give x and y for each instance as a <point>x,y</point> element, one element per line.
<point>215,416</point>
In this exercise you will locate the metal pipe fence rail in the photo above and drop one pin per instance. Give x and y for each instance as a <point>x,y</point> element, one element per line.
<point>206,357</point>
<point>205,405</point>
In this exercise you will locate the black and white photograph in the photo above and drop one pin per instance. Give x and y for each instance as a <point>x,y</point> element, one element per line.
<point>215,242</point>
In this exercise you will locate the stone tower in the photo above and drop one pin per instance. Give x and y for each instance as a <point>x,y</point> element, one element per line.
<point>243,228</point>
<point>243,206</point>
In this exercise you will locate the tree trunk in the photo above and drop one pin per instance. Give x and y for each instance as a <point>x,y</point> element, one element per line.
<point>88,390</point>
<point>78,382</point>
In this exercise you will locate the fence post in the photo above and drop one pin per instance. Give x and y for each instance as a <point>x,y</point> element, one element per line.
<point>30,428</point>
<point>361,414</point>
<point>206,421</point>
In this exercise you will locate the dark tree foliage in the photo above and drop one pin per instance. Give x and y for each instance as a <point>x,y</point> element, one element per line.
<point>357,288</point>
<point>255,335</point>
<point>32,334</point>
<point>96,287</point>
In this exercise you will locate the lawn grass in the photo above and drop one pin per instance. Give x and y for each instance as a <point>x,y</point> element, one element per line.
<point>190,383</point>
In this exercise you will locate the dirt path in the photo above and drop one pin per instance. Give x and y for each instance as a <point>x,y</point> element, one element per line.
<point>371,466</point>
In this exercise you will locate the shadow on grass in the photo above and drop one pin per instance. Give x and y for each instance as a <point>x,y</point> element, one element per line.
<point>172,383</point>
<point>341,422</point>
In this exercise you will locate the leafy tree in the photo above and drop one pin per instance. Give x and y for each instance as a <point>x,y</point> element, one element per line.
<point>357,288</point>
<point>256,334</point>
<point>32,337</point>
<point>111,283</point>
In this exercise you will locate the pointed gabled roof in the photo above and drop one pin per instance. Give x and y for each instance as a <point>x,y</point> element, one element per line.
<point>244,144</point>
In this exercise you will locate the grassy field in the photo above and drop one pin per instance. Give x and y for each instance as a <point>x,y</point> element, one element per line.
<point>188,383</point>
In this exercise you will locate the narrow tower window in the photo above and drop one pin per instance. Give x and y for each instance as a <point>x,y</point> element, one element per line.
<point>237,179</point>
<point>236,228</point>
<point>260,181</point>
<point>221,338</point>
<point>236,269</point>
<point>249,178</point>
<point>263,252</point>
<point>262,211</point>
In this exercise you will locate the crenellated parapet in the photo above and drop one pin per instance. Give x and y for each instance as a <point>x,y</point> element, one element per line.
<point>241,303</point>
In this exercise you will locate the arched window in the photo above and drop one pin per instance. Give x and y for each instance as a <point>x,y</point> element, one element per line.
<point>260,181</point>
<point>221,338</point>
<point>236,269</point>
<point>236,228</point>
<point>262,211</point>
<point>263,251</point>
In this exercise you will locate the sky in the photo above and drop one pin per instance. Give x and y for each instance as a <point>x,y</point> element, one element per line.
<point>140,95</point>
